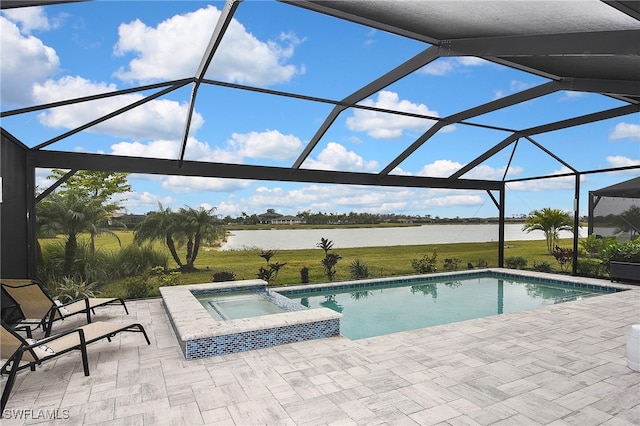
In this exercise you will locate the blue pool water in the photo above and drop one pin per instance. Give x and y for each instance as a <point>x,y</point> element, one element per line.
<point>382,309</point>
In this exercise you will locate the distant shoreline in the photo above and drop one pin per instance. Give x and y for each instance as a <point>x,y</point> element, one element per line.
<point>293,238</point>
<point>265,226</point>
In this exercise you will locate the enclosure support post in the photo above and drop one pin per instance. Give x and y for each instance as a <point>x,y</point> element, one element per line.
<point>501,227</point>
<point>576,226</point>
<point>30,174</point>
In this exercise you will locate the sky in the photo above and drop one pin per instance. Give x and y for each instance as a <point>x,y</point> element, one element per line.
<point>70,50</point>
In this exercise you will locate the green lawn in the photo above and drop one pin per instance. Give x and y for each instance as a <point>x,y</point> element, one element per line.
<point>382,261</point>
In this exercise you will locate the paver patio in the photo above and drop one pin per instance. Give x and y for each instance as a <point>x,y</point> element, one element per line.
<point>559,365</point>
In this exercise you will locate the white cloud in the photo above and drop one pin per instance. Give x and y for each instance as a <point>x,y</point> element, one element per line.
<point>621,161</point>
<point>241,57</point>
<point>570,95</point>
<point>29,18</point>
<point>25,60</point>
<point>152,120</point>
<point>550,184</point>
<point>270,144</point>
<point>146,201</point>
<point>445,168</point>
<point>514,87</point>
<point>165,149</point>
<point>451,201</point>
<point>390,126</point>
<point>626,131</point>
<point>445,66</point>
<point>186,184</point>
<point>347,198</point>
<point>336,157</point>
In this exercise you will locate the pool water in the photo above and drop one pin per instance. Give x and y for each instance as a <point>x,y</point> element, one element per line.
<point>375,310</point>
<point>238,304</point>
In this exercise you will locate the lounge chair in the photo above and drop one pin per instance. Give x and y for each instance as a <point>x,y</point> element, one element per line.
<point>40,309</point>
<point>20,352</point>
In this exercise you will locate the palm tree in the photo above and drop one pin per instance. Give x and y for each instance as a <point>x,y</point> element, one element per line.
<point>71,213</point>
<point>551,222</point>
<point>186,226</point>
<point>197,225</point>
<point>161,225</point>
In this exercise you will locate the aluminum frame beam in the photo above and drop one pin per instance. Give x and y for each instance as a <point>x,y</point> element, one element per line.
<point>115,163</point>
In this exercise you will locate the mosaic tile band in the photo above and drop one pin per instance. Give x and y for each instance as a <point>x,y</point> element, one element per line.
<point>258,339</point>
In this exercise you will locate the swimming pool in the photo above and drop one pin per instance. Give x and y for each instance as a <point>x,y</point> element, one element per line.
<point>390,306</point>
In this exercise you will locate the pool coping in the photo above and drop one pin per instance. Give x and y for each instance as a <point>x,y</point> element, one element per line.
<point>505,273</point>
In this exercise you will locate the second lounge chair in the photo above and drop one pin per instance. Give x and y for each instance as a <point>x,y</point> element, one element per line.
<point>40,309</point>
<point>21,352</point>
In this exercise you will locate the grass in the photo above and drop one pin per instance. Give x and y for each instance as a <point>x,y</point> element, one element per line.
<point>382,261</point>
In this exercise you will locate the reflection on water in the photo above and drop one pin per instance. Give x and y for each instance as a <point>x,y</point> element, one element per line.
<point>331,303</point>
<point>381,310</point>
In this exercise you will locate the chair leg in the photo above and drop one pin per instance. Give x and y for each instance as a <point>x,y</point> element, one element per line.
<point>10,382</point>
<point>124,306</point>
<point>49,323</point>
<point>88,310</point>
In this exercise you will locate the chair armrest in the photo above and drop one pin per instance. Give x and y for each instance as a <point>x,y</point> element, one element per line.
<point>50,338</point>
<point>25,328</point>
<point>85,299</point>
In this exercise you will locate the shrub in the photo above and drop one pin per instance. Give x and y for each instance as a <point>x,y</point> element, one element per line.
<point>515,262</point>
<point>69,289</point>
<point>330,260</point>
<point>590,267</point>
<point>137,287</point>
<point>86,266</point>
<point>99,267</point>
<point>165,278</point>
<point>451,264</point>
<point>482,263</point>
<point>359,269</point>
<point>304,275</point>
<point>621,252</point>
<point>426,264</point>
<point>135,259</point>
<point>564,256</point>
<point>542,266</point>
<point>220,276</point>
<point>270,273</point>
<point>593,244</point>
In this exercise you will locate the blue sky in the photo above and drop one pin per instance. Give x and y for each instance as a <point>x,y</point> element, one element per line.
<point>71,50</point>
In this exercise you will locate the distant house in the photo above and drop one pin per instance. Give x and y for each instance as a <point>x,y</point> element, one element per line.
<point>274,218</point>
<point>288,220</point>
<point>269,216</point>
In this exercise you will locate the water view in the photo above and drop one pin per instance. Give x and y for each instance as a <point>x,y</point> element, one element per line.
<point>297,239</point>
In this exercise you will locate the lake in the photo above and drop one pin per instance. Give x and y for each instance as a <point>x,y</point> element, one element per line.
<point>297,239</point>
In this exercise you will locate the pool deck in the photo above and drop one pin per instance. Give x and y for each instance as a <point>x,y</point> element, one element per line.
<point>559,365</point>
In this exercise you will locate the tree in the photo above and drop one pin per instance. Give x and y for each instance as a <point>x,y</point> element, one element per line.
<point>187,227</point>
<point>71,213</point>
<point>100,186</point>
<point>159,226</point>
<point>550,222</point>
<point>196,226</point>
